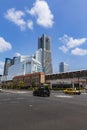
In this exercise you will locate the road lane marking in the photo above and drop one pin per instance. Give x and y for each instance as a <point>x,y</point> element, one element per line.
<point>30,105</point>
<point>84,93</point>
<point>64,96</point>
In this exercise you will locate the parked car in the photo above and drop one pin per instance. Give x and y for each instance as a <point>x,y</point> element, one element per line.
<point>41,91</point>
<point>72,91</point>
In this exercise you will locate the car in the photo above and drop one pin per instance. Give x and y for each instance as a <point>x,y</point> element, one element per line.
<point>72,91</point>
<point>41,91</point>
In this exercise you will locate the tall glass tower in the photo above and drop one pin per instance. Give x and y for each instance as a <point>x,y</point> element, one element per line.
<point>63,67</point>
<point>44,42</point>
<point>8,63</point>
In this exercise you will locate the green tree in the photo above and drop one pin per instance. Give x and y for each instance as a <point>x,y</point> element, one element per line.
<point>21,84</point>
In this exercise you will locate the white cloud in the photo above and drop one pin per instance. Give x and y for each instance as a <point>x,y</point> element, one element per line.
<point>17,54</point>
<point>1,67</point>
<point>40,10</point>
<point>43,13</point>
<point>16,17</point>
<point>30,24</point>
<point>70,42</point>
<point>79,52</point>
<point>4,45</point>
<point>63,48</point>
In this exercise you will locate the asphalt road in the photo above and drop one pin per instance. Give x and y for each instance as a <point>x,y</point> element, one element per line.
<point>22,111</point>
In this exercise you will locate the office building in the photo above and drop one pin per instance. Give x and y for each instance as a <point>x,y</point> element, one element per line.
<point>63,67</point>
<point>38,55</point>
<point>44,42</point>
<point>8,63</point>
<point>24,65</point>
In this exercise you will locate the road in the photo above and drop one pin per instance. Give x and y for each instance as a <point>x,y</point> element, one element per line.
<point>22,111</point>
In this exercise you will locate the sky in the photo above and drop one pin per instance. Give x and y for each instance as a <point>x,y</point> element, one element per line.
<point>65,21</point>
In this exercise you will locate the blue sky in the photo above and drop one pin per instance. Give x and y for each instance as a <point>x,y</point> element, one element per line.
<point>65,21</point>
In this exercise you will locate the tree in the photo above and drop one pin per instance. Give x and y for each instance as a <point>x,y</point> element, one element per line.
<point>21,84</point>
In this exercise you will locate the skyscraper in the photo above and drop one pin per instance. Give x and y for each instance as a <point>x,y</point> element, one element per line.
<point>38,55</point>
<point>8,63</point>
<point>63,67</point>
<point>44,42</point>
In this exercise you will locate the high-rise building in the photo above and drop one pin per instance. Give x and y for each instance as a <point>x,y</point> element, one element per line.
<point>44,42</point>
<point>8,63</point>
<point>63,67</point>
<point>38,55</point>
<point>24,65</point>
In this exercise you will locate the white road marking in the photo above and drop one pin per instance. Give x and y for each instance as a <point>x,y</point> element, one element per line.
<point>20,92</point>
<point>83,93</point>
<point>64,96</point>
<point>30,105</point>
<point>15,91</point>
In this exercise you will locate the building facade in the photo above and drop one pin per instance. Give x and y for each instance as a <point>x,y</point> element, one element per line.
<point>63,67</point>
<point>68,79</point>
<point>38,55</point>
<point>30,80</point>
<point>44,43</point>
<point>24,65</point>
<point>8,63</point>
